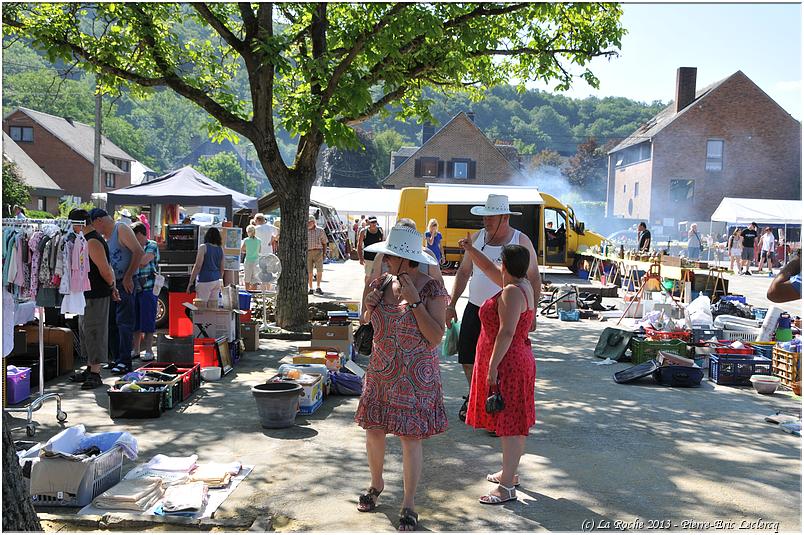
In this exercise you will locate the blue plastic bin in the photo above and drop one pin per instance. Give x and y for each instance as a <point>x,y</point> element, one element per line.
<point>244,299</point>
<point>18,384</point>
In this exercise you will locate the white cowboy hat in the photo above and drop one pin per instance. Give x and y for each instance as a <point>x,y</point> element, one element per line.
<point>403,242</point>
<point>495,205</point>
<point>125,212</point>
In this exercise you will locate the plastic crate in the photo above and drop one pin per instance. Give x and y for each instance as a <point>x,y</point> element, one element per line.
<point>763,349</point>
<point>786,366</point>
<point>205,352</point>
<point>18,385</point>
<point>173,393</point>
<point>733,298</point>
<point>737,369</point>
<point>739,335</point>
<point>645,350</point>
<point>136,404</point>
<point>190,373</point>
<point>105,471</point>
<point>569,315</point>
<point>654,334</point>
<point>723,347</point>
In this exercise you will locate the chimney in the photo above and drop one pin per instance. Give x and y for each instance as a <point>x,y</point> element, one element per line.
<point>427,132</point>
<point>471,115</point>
<point>685,87</point>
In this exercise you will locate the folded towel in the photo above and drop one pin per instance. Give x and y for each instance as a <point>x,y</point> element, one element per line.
<point>185,497</point>
<point>131,494</point>
<point>177,464</point>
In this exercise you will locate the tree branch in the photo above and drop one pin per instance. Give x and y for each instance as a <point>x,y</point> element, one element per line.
<point>357,47</point>
<point>536,51</point>
<point>376,106</point>
<point>219,26</point>
<point>250,25</point>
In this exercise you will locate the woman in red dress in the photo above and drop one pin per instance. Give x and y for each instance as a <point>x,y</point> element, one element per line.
<point>505,363</point>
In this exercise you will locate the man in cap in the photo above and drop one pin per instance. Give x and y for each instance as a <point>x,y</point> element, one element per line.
<point>267,233</point>
<point>369,235</point>
<point>125,254</point>
<point>316,244</point>
<point>496,233</point>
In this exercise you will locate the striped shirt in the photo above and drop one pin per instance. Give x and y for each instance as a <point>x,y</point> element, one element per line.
<point>316,238</point>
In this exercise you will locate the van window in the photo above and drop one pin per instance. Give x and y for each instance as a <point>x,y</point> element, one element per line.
<point>458,216</point>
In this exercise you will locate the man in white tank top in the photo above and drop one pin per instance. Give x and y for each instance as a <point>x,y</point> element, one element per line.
<point>495,234</point>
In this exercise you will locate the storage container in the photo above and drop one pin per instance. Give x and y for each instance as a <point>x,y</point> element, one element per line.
<point>189,372</point>
<point>136,404</point>
<point>173,390</point>
<point>745,336</point>
<point>18,384</point>
<point>723,347</point>
<point>704,335</point>
<point>733,298</point>
<point>786,366</point>
<point>104,472</point>
<point>737,369</point>
<point>211,374</point>
<point>763,349</point>
<point>645,350</point>
<point>569,315</point>
<point>653,334</point>
<point>673,375</point>
<point>250,333</point>
<point>205,352</point>
<point>179,322</point>
<point>244,300</point>
<point>174,348</point>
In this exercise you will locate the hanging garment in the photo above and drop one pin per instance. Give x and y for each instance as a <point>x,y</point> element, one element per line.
<point>36,258</point>
<point>73,303</point>
<point>79,265</point>
<point>66,254</point>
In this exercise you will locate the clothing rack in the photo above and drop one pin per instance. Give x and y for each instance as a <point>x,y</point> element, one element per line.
<point>38,402</point>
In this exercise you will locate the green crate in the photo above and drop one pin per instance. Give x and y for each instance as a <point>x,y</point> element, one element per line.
<point>645,350</point>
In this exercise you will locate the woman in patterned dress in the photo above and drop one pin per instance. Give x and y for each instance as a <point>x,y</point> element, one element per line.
<point>504,362</point>
<point>402,389</point>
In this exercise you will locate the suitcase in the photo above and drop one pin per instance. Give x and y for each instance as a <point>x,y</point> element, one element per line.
<point>674,375</point>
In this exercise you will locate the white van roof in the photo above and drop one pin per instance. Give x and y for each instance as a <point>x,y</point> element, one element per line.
<point>477,194</point>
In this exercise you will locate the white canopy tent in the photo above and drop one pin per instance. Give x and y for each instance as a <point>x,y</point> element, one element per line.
<point>351,203</point>
<point>761,211</point>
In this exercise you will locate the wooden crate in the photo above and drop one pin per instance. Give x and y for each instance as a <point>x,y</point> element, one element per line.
<point>786,366</point>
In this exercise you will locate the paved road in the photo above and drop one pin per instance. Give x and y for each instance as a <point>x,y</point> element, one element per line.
<point>600,452</point>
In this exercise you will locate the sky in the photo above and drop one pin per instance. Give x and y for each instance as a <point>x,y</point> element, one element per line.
<point>762,40</point>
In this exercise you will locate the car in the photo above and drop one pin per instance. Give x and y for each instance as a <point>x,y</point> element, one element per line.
<point>205,219</point>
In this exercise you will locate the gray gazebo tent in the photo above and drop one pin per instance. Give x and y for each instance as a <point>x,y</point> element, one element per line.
<point>183,186</point>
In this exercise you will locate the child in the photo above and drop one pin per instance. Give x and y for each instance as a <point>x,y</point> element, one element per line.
<point>251,248</point>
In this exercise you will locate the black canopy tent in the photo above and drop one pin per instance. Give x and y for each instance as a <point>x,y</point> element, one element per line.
<point>183,186</point>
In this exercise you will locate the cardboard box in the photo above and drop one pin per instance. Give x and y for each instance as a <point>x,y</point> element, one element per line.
<point>331,354</point>
<point>250,334</point>
<point>313,386</point>
<point>221,323</point>
<point>668,260</point>
<point>332,333</point>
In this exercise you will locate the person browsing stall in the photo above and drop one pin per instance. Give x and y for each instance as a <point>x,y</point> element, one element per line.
<point>402,393</point>
<point>643,237</point>
<point>316,245</point>
<point>434,240</point>
<point>251,248</point>
<point>496,233</point>
<point>504,363</point>
<point>125,255</point>
<point>368,235</point>
<point>208,267</point>
<point>145,300</point>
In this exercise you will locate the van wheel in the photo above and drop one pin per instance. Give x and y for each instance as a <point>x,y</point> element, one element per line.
<point>162,310</point>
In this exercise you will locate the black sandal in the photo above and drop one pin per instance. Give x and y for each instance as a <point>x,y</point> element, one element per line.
<point>368,502</point>
<point>464,409</point>
<point>408,519</point>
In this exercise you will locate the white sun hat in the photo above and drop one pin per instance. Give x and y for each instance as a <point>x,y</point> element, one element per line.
<point>495,205</point>
<point>403,242</point>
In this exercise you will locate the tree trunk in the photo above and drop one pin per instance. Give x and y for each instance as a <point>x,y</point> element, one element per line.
<point>18,511</point>
<point>291,302</point>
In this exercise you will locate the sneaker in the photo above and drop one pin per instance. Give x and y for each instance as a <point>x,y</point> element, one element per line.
<point>310,291</point>
<point>121,369</point>
<point>464,408</point>
<point>108,366</point>
<point>148,356</point>
<point>80,376</point>
<point>93,381</point>
<point>318,291</point>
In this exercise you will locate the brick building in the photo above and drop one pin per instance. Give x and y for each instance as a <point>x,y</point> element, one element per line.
<point>65,150</point>
<point>459,152</point>
<point>729,139</point>
<point>45,193</point>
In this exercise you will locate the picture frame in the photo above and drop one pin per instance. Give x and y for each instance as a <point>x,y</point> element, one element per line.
<point>224,356</point>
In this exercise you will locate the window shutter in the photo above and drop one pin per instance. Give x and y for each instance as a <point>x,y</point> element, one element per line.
<point>450,169</point>
<point>440,173</point>
<point>417,171</point>
<point>472,169</point>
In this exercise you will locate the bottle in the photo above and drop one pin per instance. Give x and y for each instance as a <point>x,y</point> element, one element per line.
<point>622,251</point>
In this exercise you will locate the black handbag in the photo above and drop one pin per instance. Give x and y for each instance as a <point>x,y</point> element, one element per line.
<point>364,335</point>
<point>494,403</point>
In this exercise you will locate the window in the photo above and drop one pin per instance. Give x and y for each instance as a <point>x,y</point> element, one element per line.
<point>41,204</point>
<point>21,133</point>
<point>636,189</point>
<point>109,180</point>
<point>682,191</point>
<point>714,155</point>
<point>460,169</point>
<point>428,167</point>
<point>633,154</point>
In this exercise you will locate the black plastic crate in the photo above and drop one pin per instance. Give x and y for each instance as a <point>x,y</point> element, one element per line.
<point>173,390</point>
<point>737,369</point>
<point>705,335</point>
<point>136,404</point>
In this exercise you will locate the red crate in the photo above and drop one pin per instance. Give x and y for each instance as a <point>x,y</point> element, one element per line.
<point>205,352</point>
<point>179,323</point>
<point>653,334</point>
<point>190,373</point>
<point>245,317</point>
<point>723,347</point>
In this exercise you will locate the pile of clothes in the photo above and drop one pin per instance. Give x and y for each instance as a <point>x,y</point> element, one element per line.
<point>132,495</point>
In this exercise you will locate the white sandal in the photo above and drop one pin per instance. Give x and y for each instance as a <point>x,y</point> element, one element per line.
<point>491,478</point>
<point>491,499</point>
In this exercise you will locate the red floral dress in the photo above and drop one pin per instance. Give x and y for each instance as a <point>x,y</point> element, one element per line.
<point>402,387</point>
<point>516,374</point>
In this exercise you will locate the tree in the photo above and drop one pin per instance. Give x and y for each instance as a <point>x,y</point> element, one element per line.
<point>224,168</point>
<point>18,511</point>
<point>387,141</point>
<point>587,168</point>
<point>321,68</point>
<point>546,158</point>
<point>14,189</point>
<point>350,168</point>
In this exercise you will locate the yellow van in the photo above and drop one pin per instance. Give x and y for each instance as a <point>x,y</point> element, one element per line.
<point>544,218</point>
